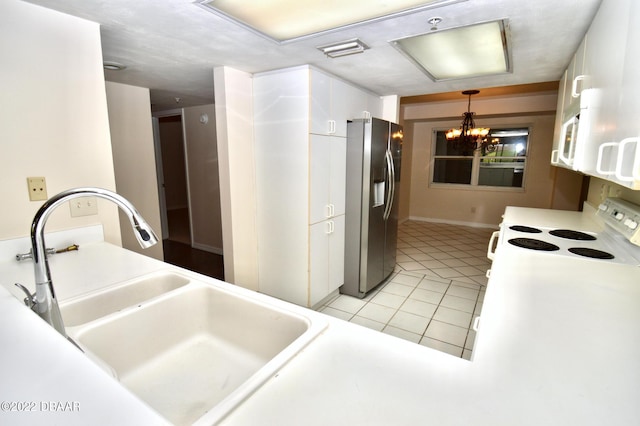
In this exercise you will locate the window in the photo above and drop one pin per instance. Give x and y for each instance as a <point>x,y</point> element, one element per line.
<point>499,163</point>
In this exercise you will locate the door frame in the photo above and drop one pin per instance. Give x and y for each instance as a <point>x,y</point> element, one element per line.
<point>160,172</point>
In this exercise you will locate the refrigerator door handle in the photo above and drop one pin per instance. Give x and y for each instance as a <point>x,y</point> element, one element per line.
<point>391,185</point>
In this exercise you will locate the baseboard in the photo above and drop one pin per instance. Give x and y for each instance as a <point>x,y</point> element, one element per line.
<point>453,222</point>
<point>210,249</point>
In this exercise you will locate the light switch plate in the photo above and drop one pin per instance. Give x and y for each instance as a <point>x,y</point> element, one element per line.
<point>37,188</point>
<point>83,206</point>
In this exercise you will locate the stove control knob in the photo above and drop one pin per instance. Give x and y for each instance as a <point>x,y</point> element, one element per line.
<point>631,224</point>
<point>603,207</point>
<point>619,215</point>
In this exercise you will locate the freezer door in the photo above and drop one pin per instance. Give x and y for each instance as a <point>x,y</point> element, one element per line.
<point>378,185</point>
<point>391,226</point>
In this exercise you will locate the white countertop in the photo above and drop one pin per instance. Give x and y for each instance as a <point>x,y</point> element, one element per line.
<point>558,344</point>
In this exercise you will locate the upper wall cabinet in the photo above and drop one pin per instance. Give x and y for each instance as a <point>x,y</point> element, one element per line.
<point>571,87</point>
<point>333,102</point>
<point>600,137</point>
<point>605,61</point>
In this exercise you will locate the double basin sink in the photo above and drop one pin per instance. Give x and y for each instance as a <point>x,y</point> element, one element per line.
<point>190,349</point>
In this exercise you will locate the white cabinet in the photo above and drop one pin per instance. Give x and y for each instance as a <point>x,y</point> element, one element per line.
<point>327,266</point>
<point>300,179</point>
<point>572,84</point>
<point>333,103</point>
<point>604,65</point>
<point>328,174</point>
<point>627,158</point>
<point>557,129</point>
<point>575,81</point>
<point>608,131</point>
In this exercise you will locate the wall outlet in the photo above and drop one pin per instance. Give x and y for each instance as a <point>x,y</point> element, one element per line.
<point>83,206</point>
<point>37,188</point>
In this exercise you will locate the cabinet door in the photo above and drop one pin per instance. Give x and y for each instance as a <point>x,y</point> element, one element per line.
<point>320,176</point>
<point>326,258</point>
<point>319,261</point>
<point>321,116</point>
<point>336,254</point>
<point>348,103</point>
<point>628,128</point>
<point>342,99</point>
<point>604,62</point>
<point>557,130</point>
<point>327,165</point>
<point>338,175</point>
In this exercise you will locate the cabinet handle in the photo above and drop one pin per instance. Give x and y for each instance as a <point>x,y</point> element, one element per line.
<point>332,127</point>
<point>563,141</point>
<point>491,254</point>
<point>554,156</point>
<point>330,227</point>
<point>620,158</point>
<point>476,324</point>
<point>327,211</point>
<point>574,85</point>
<point>599,160</point>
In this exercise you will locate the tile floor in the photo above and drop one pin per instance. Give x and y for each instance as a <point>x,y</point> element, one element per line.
<point>437,290</point>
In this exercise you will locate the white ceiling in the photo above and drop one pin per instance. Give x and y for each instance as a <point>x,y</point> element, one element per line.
<point>172,46</point>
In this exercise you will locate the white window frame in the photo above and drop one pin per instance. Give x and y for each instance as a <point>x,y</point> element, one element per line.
<point>475,167</point>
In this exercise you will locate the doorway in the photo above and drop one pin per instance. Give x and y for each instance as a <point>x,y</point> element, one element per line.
<point>172,177</point>
<point>176,210</point>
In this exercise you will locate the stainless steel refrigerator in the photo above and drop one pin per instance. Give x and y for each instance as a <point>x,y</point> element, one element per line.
<point>374,149</point>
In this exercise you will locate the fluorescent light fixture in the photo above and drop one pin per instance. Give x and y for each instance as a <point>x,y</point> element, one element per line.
<point>289,20</point>
<point>343,48</point>
<point>470,51</point>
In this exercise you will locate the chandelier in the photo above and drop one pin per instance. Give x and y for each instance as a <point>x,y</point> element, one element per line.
<point>468,136</point>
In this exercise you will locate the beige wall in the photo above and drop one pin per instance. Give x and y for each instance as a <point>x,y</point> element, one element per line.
<point>204,184</point>
<point>134,159</point>
<point>482,206</point>
<point>599,189</point>
<point>234,108</point>
<point>53,116</point>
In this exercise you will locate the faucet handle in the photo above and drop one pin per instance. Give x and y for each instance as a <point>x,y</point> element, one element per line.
<point>30,300</point>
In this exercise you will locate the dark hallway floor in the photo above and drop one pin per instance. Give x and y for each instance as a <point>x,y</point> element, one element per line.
<point>201,261</point>
<point>178,250</point>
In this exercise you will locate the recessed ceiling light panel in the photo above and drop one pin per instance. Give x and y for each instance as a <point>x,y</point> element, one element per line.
<point>463,52</point>
<point>291,20</point>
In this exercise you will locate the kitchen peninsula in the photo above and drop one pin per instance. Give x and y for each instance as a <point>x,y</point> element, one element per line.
<point>557,345</point>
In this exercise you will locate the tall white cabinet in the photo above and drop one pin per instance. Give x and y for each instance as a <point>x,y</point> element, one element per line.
<point>300,124</point>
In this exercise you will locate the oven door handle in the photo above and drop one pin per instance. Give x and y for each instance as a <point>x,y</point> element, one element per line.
<point>491,253</point>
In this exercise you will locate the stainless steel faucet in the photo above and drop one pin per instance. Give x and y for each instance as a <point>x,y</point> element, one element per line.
<point>44,302</point>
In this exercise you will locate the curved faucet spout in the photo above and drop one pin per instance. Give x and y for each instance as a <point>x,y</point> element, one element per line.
<point>46,304</point>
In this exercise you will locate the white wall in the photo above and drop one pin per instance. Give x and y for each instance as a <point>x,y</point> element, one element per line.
<point>204,184</point>
<point>53,116</point>
<point>234,112</point>
<point>134,159</point>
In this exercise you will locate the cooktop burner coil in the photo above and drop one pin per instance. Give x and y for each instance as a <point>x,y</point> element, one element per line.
<point>572,235</point>
<point>526,229</point>
<point>593,253</point>
<point>530,243</point>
